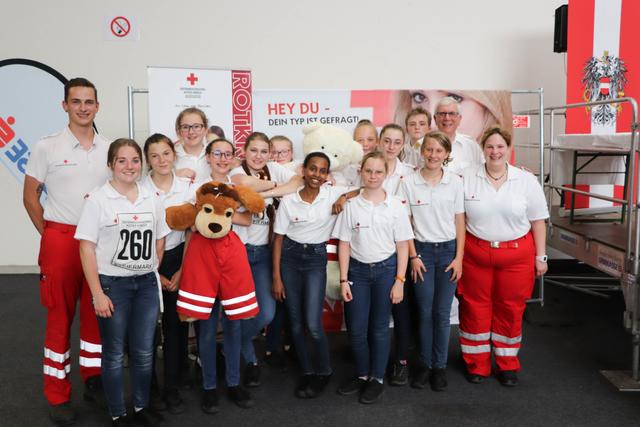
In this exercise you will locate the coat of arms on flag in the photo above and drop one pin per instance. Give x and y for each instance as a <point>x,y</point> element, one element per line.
<point>604,78</point>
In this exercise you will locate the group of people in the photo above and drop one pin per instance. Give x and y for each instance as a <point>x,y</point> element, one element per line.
<point>425,216</point>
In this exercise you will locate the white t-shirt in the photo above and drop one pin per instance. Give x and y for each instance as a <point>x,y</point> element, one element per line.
<point>257,233</point>
<point>182,191</point>
<point>505,214</point>
<point>465,152</point>
<point>196,163</point>
<point>433,209</point>
<point>125,233</point>
<point>373,230</point>
<point>308,222</point>
<point>68,172</point>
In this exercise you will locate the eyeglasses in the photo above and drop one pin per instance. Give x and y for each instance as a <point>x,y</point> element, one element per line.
<point>447,113</point>
<point>219,154</point>
<point>281,153</point>
<point>197,127</point>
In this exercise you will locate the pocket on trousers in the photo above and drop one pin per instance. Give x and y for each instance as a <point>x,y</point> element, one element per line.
<point>46,290</point>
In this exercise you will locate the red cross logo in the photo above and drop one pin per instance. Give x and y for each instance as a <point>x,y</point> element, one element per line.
<point>66,161</point>
<point>192,79</point>
<point>135,217</point>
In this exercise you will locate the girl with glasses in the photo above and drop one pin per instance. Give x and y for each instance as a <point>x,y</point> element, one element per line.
<point>191,128</point>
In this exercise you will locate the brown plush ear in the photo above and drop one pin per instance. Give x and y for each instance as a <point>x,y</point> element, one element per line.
<point>181,217</point>
<point>250,199</point>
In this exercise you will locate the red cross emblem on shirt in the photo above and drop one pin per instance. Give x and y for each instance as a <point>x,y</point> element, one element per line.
<point>192,79</point>
<point>66,161</point>
<point>135,217</point>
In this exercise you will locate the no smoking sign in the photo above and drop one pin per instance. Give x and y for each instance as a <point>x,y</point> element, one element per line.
<point>121,27</point>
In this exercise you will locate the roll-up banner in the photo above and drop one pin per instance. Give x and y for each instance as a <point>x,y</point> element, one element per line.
<point>223,95</point>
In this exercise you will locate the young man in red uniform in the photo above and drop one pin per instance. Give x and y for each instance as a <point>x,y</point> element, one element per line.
<point>66,166</point>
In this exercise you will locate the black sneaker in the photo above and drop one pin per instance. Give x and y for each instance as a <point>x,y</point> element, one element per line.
<point>372,391</point>
<point>318,384</point>
<point>122,421</point>
<point>421,378</point>
<point>209,401</point>
<point>276,360</point>
<point>62,414</point>
<point>353,386</point>
<point>508,378</point>
<point>438,379</point>
<point>399,375</point>
<point>94,392</point>
<point>173,400</point>
<point>251,375</point>
<point>149,418</point>
<point>474,378</point>
<point>302,388</point>
<point>240,397</point>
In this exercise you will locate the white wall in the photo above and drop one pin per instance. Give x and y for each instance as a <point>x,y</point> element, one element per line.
<point>493,44</point>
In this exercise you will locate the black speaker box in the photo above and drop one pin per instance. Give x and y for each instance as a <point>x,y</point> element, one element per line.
<point>560,29</point>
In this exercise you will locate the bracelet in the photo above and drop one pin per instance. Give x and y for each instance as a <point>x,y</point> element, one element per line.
<point>401,279</point>
<point>344,281</point>
<point>411,258</point>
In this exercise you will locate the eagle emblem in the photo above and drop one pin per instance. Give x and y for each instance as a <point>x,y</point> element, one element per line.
<point>604,78</point>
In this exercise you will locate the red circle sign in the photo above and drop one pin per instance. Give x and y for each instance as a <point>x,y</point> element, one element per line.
<point>120,26</point>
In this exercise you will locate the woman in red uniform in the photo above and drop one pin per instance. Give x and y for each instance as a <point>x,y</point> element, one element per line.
<point>504,250</point>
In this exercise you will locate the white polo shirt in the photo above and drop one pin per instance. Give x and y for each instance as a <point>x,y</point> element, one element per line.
<point>433,208</point>
<point>505,214</point>
<point>351,175</point>
<point>68,172</point>
<point>182,191</point>
<point>373,230</point>
<point>196,163</point>
<point>465,152</point>
<point>402,171</point>
<point>392,182</point>
<point>412,154</point>
<point>125,233</point>
<point>257,233</point>
<point>307,222</point>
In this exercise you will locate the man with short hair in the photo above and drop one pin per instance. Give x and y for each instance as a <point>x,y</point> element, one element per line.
<point>465,151</point>
<point>67,165</point>
<point>417,124</point>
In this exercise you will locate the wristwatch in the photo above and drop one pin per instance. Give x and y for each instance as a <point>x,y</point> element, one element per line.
<point>542,258</point>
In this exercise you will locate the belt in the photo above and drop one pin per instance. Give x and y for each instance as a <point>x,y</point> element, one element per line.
<point>60,227</point>
<point>499,245</point>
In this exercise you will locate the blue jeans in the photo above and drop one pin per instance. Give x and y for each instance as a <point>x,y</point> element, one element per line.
<point>207,347</point>
<point>434,296</point>
<point>367,315</point>
<point>260,263</point>
<point>136,306</point>
<point>303,269</point>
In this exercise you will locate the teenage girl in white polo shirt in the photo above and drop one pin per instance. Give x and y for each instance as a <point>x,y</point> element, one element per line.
<point>121,232</point>
<point>303,225</point>
<point>504,250</point>
<point>256,238</point>
<point>435,199</point>
<point>191,128</point>
<point>172,191</point>
<point>373,230</point>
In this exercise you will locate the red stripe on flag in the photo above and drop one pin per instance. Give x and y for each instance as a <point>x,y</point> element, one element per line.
<point>630,54</point>
<point>582,201</point>
<point>579,50</point>
<point>379,100</point>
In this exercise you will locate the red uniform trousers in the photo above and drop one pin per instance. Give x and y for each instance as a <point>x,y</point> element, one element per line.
<point>493,290</point>
<point>217,268</point>
<point>61,285</point>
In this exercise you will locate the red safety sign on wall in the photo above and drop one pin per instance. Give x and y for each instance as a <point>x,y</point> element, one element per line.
<point>521,122</point>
